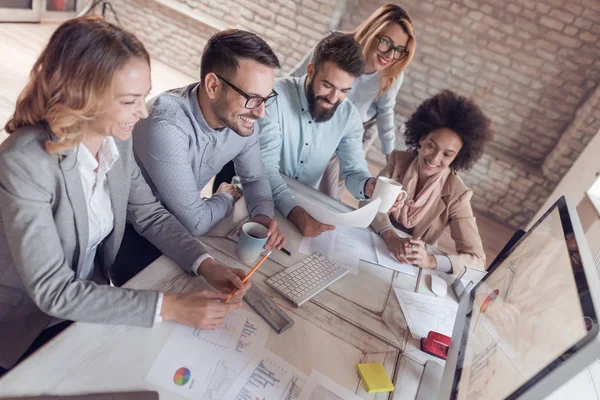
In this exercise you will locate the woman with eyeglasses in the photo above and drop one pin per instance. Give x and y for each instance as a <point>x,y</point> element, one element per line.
<point>388,41</point>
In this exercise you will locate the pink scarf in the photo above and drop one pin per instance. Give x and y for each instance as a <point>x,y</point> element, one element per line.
<point>416,205</point>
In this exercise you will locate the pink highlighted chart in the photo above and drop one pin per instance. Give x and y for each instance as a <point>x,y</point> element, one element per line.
<point>182,376</point>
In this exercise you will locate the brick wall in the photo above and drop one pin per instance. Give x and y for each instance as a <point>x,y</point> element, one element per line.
<point>529,63</point>
<point>533,66</point>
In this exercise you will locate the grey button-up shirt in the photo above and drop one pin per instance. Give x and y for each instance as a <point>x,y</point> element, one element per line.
<point>179,153</point>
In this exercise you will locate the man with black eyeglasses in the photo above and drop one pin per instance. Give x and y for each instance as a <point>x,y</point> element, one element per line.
<point>191,132</point>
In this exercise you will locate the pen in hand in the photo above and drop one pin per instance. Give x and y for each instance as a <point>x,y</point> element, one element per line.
<point>258,264</point>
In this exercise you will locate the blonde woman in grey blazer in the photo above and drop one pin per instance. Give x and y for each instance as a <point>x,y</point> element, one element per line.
<point>68,182</point>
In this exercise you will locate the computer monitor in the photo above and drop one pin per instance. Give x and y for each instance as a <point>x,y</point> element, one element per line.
<point>531,324</point>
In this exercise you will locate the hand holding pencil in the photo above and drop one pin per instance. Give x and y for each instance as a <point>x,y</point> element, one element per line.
<point>258,264</point>
<point>223,278</point>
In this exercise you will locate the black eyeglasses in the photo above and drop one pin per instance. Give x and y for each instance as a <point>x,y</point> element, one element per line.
<point>385,46</point>
<point>252,102</point>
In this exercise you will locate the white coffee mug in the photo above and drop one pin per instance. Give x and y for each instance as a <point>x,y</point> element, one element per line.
<point>253,237</point>
<point>388,190</point>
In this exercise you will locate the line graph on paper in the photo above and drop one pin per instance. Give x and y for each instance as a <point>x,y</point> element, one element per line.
<point>425,313</point>
<point>237,332</point>
<point>223,376</point>
<point>220,337</point>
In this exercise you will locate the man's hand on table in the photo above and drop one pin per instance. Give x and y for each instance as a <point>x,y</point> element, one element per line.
<point>307,225</point>
<point>276,238</point>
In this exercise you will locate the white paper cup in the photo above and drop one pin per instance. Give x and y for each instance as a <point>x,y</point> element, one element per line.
<point>388,191</point>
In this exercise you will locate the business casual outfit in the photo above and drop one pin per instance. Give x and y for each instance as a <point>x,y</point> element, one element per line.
<point>373,110</point>
<point>293,144</point>
<point>179,153</point>
<point>54,214</point>
<point>453,210</point>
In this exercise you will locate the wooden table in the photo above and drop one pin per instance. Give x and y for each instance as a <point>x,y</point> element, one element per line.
<point>358,319</point>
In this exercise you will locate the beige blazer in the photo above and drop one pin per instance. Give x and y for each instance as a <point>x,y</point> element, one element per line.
<point>453,209</point>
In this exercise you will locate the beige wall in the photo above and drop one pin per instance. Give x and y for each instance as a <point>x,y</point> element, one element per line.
<point>578,179</point>
<point>573,185</point>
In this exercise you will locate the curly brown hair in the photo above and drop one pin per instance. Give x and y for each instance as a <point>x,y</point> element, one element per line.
<point>457,113</point>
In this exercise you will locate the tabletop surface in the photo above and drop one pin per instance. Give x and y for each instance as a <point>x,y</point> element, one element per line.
<point>357,319</point>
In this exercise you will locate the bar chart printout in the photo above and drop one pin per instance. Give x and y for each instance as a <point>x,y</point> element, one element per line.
<point>245,339</point>
<point>267,377</point>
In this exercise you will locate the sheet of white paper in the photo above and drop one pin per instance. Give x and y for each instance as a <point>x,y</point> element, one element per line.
<point>425,313</point>
<point>267,376</point>
<point>345,246</point>
<point>202,364</point>
<point>321,387</point>
<point>360,218</point>
<point>362,239</point>
<point>386,259</point>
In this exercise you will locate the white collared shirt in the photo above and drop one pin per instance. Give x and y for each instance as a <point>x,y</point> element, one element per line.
<point>99,206</point>
<point>97,197</point>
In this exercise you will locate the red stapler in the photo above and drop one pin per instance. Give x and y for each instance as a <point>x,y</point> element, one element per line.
<point>436,344</point>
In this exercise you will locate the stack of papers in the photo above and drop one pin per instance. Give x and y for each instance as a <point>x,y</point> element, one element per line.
<point>203,364</point>
<point>232,363</point>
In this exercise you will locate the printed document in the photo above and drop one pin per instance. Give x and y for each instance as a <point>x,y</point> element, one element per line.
<point>360,218</point>
<point>425,313</point>
<point>202,364</point>
<point>267,376</point>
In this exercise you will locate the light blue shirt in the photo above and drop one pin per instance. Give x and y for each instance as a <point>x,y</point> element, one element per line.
<point>293,144</point>
<point>365,96</point>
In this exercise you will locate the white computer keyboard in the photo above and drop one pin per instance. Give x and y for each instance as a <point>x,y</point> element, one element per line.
<point>303,280</point>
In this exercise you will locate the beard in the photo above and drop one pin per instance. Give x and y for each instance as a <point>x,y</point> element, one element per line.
<point>319,114</point>
<point>220,108</point>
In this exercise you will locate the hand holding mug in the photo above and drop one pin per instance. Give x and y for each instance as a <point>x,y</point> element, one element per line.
<point>390,192</point>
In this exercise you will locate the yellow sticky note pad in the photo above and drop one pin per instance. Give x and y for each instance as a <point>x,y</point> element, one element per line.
<point>375,378</point>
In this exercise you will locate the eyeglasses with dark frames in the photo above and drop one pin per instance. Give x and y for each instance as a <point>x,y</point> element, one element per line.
<point>252,102</point>
<point>385,46</point>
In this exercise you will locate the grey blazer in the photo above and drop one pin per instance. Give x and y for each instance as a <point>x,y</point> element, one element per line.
<point>43,238</point>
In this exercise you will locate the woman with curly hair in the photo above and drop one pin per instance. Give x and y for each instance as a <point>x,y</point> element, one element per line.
<point>445,135</point>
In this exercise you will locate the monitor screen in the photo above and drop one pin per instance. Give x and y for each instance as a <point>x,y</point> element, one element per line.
<point>531,311</point>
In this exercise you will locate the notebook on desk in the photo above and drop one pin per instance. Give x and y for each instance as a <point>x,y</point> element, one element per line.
<point>139,395</point>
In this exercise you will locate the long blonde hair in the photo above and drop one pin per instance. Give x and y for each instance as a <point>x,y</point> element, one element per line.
<point>71,76</point>
<point>367,32</point>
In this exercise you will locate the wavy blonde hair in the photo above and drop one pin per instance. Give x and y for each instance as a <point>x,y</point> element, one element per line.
<point>71,77</point>
<point>367,32</point>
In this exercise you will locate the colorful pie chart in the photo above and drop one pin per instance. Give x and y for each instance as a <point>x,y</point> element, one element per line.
<point>182,376</point>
